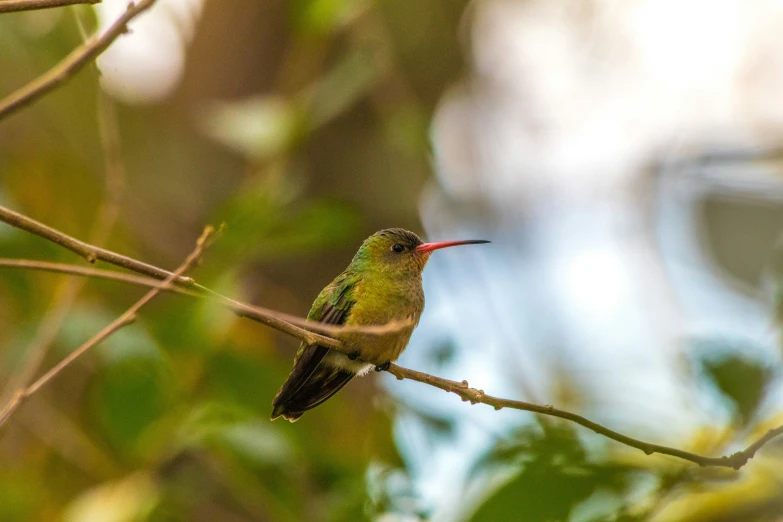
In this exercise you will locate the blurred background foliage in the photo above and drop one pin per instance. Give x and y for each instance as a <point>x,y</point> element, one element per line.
<point>630,182</point>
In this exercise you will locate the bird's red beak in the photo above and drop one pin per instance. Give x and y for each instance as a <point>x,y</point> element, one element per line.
<point>429,247</point>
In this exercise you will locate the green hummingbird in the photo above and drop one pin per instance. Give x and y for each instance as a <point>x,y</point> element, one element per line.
<point>382,284</point>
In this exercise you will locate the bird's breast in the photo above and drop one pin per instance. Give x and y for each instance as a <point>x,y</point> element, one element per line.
<point>379,306</point>
<point>382,300</point>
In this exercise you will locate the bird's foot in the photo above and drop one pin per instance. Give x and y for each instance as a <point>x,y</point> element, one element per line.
<point>354,355</point>
<point>383,367</point>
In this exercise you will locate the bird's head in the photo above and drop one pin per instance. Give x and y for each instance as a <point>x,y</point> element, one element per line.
<point>399,252</point>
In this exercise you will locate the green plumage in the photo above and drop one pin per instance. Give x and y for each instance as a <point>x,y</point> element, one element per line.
<point>382,284</point>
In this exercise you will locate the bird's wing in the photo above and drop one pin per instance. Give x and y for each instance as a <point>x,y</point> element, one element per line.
<point>332,306</point>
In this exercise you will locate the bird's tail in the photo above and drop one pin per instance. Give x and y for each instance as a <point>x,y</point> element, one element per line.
<point>301,393</point>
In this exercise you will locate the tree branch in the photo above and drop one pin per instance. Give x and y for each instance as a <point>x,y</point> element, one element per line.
<point>104,221</point>
<point>125,319</point>
<point>256,313</point>
<point>88,252</point>
<point>10,6</point>
<point>72,63</point>
<point>462,389</point>
<point>466,393</point>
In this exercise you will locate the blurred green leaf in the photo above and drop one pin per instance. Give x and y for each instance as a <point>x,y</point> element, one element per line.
<point>729,368</point>
<point>741,380</point>
<point>554,478</point>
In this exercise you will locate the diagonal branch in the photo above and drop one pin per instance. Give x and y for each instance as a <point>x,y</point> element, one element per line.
<point>466,393</point>
<point>10,6</point>
<point>89,252</point>
<point>277,320</point>
<point>125,319</point>
<point>72,63</point>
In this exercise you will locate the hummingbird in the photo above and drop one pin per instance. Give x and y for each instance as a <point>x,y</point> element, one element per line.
<point>381,284</point>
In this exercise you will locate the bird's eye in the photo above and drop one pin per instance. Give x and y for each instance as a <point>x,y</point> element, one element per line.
<point>397,248</point>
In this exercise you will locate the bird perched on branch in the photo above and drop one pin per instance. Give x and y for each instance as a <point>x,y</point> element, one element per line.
<point>382,285</point>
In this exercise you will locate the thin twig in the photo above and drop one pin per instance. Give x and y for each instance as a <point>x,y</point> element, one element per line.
<point>105,220</point>
<point>125,319</point>
<point>10,6</point>
<point>281,322</point>
<point>44,336</point>
<point>86,271</point>
<point>89,252</point>
<point>735,461</point>
<point>474,396</point>
<point>256,313</point>
<point>72,63</point>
